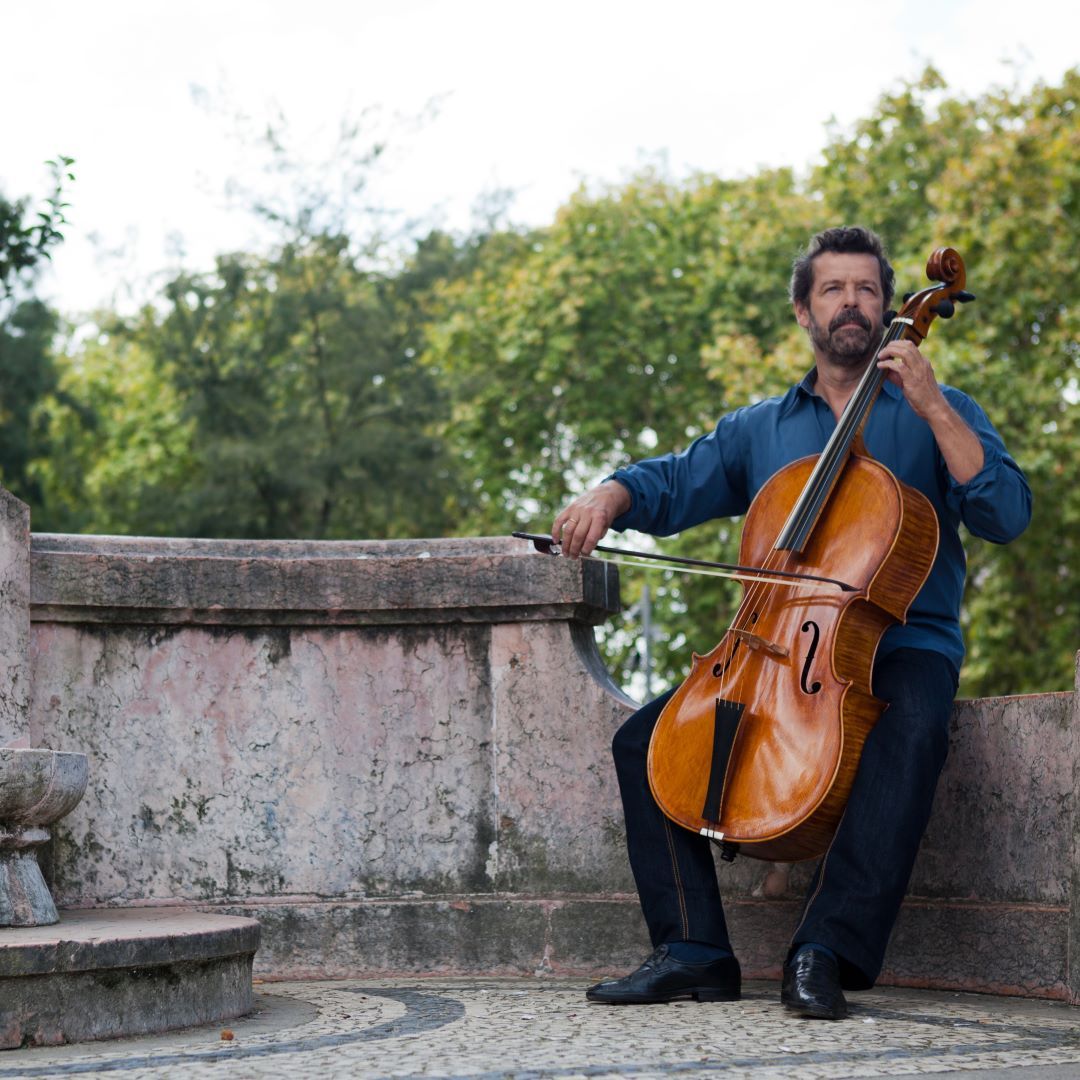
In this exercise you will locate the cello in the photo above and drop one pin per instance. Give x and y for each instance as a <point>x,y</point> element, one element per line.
<point>758,748</point>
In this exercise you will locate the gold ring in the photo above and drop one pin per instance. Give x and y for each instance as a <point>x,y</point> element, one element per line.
<point>569,521</point>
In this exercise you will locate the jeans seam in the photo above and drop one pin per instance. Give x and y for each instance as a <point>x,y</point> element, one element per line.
<point>820,881</point>
<point>678,879</point>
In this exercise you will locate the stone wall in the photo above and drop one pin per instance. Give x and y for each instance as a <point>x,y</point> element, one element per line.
<point>396,756</point>
<point>14,620</point>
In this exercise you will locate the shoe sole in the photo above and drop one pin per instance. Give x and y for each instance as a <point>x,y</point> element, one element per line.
<point>664,999</point>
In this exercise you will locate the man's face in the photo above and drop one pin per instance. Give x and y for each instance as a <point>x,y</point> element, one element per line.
<point>843,312</point>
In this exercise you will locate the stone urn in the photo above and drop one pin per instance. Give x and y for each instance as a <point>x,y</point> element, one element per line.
<point>37,788</point>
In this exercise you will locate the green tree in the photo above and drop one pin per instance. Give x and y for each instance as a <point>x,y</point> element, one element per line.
<point>27,376</point>
<point>27,330</point>
<point>996,178</point>
<point>644,312</point>
<point>120,448</point>
<point>27,238</point>
<point>278,396</point>
<point>1013,207</point>
<point>630,324</point>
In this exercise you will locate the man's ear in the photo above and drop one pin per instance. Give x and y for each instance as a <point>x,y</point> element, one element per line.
<point>802,315</point>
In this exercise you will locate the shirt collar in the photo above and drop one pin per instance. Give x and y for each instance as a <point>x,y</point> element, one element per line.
<point>804,389</point>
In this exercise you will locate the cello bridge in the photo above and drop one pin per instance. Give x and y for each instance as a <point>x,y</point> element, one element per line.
<point>754,641</point>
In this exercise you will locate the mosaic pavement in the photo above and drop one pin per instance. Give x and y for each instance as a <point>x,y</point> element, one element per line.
<point>484,1029</point>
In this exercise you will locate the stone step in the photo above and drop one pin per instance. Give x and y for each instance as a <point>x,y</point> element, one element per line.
<point>108,972</point>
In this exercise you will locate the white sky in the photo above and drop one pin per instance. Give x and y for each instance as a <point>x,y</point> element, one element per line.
<point>533,97</point>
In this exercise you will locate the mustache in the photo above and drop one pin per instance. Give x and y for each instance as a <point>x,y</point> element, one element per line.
<point>847,317</point>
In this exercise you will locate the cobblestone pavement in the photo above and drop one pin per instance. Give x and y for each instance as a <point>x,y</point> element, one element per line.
<point>484,1029</point>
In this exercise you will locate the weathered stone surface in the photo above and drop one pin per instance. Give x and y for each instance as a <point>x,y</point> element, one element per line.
<point>301,763</point>
<point>38,787</point>
<point>24,897</point>
<point>558,821</point>
<point>421,935</point>
<point>1003,820</point>
<point>987,947</point>
<point>1073,751</point>
<point>425,782</point>
<point>14,620</point>
<point>104,974</point>
<point>1000,948</point>
<point>114,579</point>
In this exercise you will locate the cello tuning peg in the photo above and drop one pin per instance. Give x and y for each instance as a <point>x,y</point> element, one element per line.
<point>908,296</point>
<point>888,317</point>
<point>964,297</point>
<point>945,308</point>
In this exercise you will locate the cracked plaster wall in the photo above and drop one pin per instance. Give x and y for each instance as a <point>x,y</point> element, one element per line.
<point>291,762</point>
<point>239,762</point>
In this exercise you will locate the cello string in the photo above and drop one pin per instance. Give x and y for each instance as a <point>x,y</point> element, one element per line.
<point>811,500</point>
<point>808,506</point>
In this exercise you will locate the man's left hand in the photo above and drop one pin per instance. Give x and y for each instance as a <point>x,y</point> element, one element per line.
<point>911,371</point>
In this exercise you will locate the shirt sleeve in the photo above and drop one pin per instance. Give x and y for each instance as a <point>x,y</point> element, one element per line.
<point>676,491</point>
<point>995,504</point>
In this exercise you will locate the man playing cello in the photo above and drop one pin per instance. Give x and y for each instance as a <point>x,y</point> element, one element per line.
<point>935,439</point>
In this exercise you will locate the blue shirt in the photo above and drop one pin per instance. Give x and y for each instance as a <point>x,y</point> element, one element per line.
<point>719,474</point>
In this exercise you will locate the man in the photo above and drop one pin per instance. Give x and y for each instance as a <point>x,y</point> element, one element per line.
<point>934,438</point>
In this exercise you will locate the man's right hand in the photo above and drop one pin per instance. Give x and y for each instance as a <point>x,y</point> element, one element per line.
<point>581,526</point>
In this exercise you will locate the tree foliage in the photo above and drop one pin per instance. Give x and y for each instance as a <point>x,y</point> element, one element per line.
<point>27,239</point>
<point>325,388</point>
<point>27,329</point>
<point>647,311</point>
<point>276,396</point>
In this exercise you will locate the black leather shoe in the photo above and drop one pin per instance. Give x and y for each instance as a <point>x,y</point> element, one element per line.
<point>663,978</point>
<point>812,986</point>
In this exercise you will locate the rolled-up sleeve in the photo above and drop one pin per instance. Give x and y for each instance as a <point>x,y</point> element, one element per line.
<point>995,504</point>
<point>677,491</point>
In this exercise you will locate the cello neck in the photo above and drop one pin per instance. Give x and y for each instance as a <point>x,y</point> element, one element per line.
<point>807,509</point>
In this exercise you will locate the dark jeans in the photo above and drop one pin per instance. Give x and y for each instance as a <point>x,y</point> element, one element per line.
<point>856,892</point>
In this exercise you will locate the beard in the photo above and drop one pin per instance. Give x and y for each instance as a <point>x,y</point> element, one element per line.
<point>849,339</point>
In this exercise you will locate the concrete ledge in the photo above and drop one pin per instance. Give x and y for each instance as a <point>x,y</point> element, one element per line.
<point>104,974</point>
<point>107,579</point>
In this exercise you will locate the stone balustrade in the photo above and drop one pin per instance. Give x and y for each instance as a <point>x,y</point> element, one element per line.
<point>396,756</point>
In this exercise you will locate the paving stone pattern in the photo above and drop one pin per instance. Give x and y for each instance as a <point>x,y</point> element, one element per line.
<point>483,1029</point>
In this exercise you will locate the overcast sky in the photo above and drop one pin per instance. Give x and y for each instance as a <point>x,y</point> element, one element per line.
<point>531,97</point>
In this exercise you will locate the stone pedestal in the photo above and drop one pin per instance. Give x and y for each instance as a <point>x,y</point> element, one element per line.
<point>37,788</point>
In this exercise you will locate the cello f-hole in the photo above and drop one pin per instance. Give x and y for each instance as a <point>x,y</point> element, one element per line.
<point>807,627</point>
<point>719,670</point>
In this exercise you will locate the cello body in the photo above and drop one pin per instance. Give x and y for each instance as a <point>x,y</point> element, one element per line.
<point>805,715</point>
<point>758,749</point>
